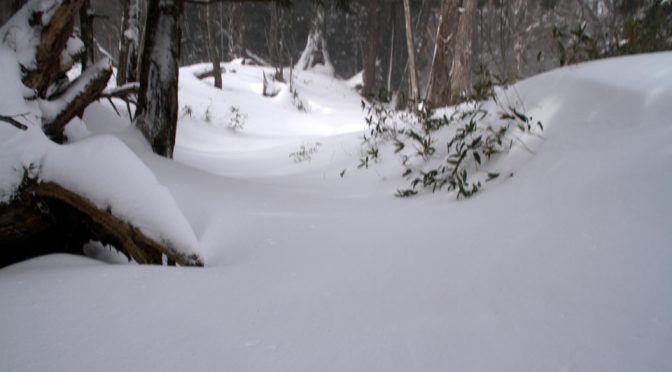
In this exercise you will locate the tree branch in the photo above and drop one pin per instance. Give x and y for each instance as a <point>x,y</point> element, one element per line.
<point>12,121</point>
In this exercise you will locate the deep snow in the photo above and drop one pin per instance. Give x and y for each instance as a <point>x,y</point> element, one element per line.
<point>563,266</point>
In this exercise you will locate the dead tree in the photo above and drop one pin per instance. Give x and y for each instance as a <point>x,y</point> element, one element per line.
<point>45,217</point>
<point>315,53</point>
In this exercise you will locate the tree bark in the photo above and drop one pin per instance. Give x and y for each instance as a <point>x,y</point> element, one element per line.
<point>438,91</point>
<point>370,75</point>
<point>460,82</point>
<point>54,38</point>
<point>157,102</point>
<point>235,31</point>
<point>48,218</point>
<point>410,46</point>
<point>212,14</point>
<point>86,33</point>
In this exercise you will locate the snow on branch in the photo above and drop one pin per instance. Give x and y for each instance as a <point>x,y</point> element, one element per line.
<point>58,112</point>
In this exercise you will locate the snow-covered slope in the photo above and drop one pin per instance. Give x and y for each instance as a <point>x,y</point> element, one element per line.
<point>563,266</point>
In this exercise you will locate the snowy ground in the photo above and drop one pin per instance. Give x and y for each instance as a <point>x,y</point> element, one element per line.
<point>565,266</point>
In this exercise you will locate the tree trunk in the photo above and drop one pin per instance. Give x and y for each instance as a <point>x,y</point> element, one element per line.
<point>129,42</point>
<point>86,33</point>
<point>438,91</point>
<point>17,5</point>
<point>460,82</point>
<point>235,31</point>
<point>315,53</point>
<point>157,101</point>
<point>412,71</point>
<point>370,75</point>
<point>212,14</point>
<point>391,11</point>
<point>275,39</point>
<point>54,36</point>
<point>48,218</point>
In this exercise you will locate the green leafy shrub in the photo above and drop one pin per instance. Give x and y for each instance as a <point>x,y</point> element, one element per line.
<point>473,139</point>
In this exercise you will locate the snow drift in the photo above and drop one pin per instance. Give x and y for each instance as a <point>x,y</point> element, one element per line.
<point>562,266</point>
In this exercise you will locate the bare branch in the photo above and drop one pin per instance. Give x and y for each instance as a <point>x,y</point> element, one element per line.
<point>12,121</point>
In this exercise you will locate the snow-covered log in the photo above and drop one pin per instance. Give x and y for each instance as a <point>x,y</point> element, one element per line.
<point>55,198</point>
<point>58,111</point>
<point>47,27</point>
<point>208,73</point>
<point>30,225</point>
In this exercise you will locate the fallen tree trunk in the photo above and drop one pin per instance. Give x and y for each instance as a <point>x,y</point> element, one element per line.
<point>208,73</point>
<point>45,217</point>
<point>54,38</point>
<point>72,102</point>
<point>48,218</point>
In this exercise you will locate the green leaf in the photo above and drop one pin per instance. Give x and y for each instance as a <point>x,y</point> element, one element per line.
<point>405,193</point>
<point>492,176</point>
<point>477,157</point>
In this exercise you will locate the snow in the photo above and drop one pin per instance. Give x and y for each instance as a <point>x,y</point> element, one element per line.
<point>90,167</point>
<point>51,109</point>
<point>562,266</point>
<point>17,33</point>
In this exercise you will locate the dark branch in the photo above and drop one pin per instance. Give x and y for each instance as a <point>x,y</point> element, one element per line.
<point>12,121</point>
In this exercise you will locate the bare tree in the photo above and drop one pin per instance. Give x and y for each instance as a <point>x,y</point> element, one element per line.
<point>370,75</point>
<point>235,31</point>
<point>212,18</point>
<point>129,43</point>
<point>460,82</point>
<point>412,71</point>
<point>438,90</point>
